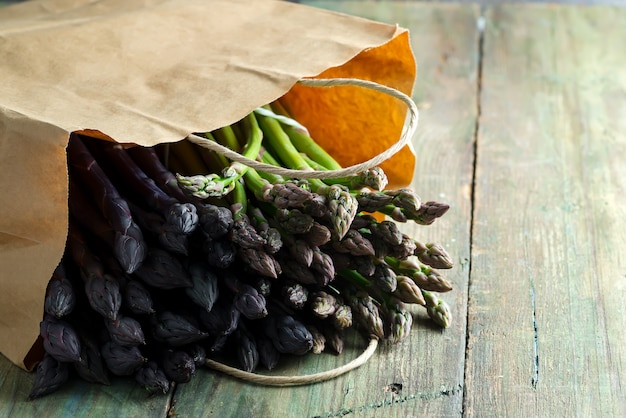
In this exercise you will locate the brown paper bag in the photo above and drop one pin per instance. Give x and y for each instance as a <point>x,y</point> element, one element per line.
<point>153,71</point>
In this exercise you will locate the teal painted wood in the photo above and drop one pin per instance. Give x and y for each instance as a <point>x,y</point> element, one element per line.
<point>124,398</point>
<point>546,311</point>
<point>545,305</point>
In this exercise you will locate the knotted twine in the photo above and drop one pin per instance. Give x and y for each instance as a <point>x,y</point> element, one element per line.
<point>407,133</point>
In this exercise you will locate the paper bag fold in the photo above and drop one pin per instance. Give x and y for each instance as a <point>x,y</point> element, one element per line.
<point>153,71</point>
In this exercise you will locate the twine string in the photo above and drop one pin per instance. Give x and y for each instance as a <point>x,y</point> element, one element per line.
<point>282,119</point>
<point>405,137</point>
<point>269,380</point>
<point>407,133</point>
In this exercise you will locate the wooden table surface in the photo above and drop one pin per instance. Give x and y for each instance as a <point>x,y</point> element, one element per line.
<point>523,132</point>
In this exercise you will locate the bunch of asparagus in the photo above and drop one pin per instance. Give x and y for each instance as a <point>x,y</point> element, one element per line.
<point>175,253</point>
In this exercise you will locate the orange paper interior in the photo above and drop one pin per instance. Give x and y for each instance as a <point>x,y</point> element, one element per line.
<point>355,124</point>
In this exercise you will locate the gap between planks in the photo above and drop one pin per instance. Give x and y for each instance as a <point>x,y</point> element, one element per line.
<point>480,25</point>
<point>395,400</point>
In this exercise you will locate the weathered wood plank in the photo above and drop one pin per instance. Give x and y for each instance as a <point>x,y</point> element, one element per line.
<point>546,311</point>
<point>429,364</point>
<point>124,398</point>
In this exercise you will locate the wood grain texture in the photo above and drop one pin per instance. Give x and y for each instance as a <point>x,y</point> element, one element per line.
<point>546,311</point>
<point>124,398</point>
<point>428,364</point>
<point>548,274</point>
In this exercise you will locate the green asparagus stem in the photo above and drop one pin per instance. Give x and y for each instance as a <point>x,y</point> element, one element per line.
<point>323,304</point>
<point>227,137</point>
<point>387,231</point>
<point>295,295</point>
<point>438,310</point>
<point>319,340</point>
<point>374,178</point>
<point>266,157</point>
<point>334,339</point>
<point>318,235</point>
<point>216,185</point>
<point>293,237</point>
<point>433,255</point>
<point>367,313</point>
<point>354,277</point>
<point>354,243</point>
<point>215,161</point>
<point>424,276</point>
<point>323,266</point>
<point>272,236</point>
<point>385,278</point>
<point>342,206</point>
<point>400,320</point>
<point>305,144</point>
<point>342,318</point>
<point>242,232</point>
<point>426,214</point>
<point>407,291</point>
<point>281,144</point>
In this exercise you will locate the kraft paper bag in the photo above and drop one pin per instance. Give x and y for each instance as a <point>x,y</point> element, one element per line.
<point>154,71</point>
